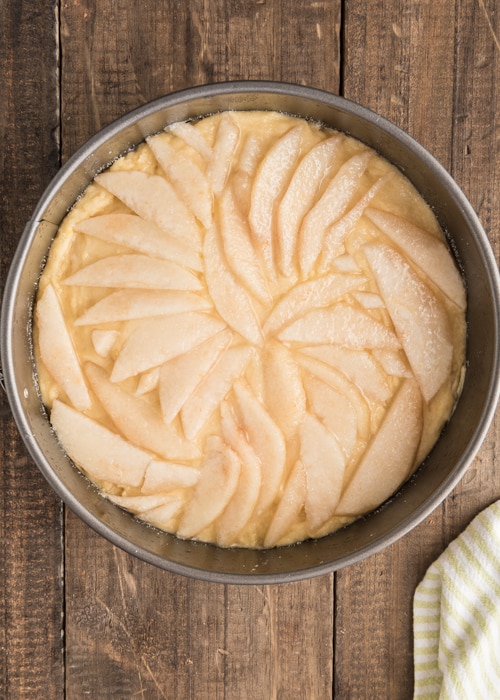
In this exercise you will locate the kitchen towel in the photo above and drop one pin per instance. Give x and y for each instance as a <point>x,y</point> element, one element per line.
<point>456,619</point>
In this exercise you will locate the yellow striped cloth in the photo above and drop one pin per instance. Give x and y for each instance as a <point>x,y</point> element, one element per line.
<point>456,617</point>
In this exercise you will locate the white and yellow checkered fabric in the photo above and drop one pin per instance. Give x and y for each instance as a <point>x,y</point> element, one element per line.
<point>457,617</point>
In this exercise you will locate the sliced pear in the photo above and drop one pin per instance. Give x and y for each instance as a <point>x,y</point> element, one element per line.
<point>226,141</point>
<point>303,189</point>
<point>157,340</point>
<point>154,199</point>
<point>338,232</point>
<point>189,180</point>
<point>101,453</point>
<point>139,504</point>
<point>345,264</point>
<point>241,506</point>
<point>138,420</point>
<point>336,412</point>
<point>329,208</point>
<point>188,132</point>
<point>217,483</point>
<point>104,341</point>
<point>342,324</point>
<point>133,232</point>
<point>166,476</point>
<point>254,376</point>
<point>266,440</point>
<point>134,271</point>
<point>238,248</point>
<point>389,458</point>
<point>250,154</point>
<point>393,362</point>
<point>310,295</point>
<point>340,383</point>
<point>426,250</point>
<point>369,300</point>
<point>419,317</point>
<point>180,376</point>
<point>357,365</point>
<point>324,465</point>
<point>148,381</point>
<point>289,507</point>
<point>213,389</point>
<point>242,177</point>
<point>284,392</point>
<point>230,299</point>
<point>57,350</point>
<point>163,516</point>
<point>271,178</point>
<point>127,304</point>
<point>241,186</point>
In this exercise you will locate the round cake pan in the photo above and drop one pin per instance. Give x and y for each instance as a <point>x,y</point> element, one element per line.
<point>435,478</point>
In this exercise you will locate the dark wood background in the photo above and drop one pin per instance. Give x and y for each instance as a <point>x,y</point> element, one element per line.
<point>80,618</point>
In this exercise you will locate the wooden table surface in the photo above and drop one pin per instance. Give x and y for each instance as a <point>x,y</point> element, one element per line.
<point>82,619</point>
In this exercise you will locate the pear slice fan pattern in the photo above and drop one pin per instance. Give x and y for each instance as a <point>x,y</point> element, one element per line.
<point>250,330</point>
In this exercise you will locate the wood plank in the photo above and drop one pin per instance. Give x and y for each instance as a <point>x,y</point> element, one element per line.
<point>116,58</point>
<point>475,165</point>
<point>405,61</point>
<point>132,629</point>
<point>475,137</point>
<point>31,584</point>
<point>399,63</point>
<point>274,651</point>
<point>31,576</point>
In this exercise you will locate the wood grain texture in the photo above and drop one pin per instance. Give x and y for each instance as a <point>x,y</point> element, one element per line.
<point>116,56</point>
<point>31,584</point>
<point>475,165</point>
<point>133,631</point>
